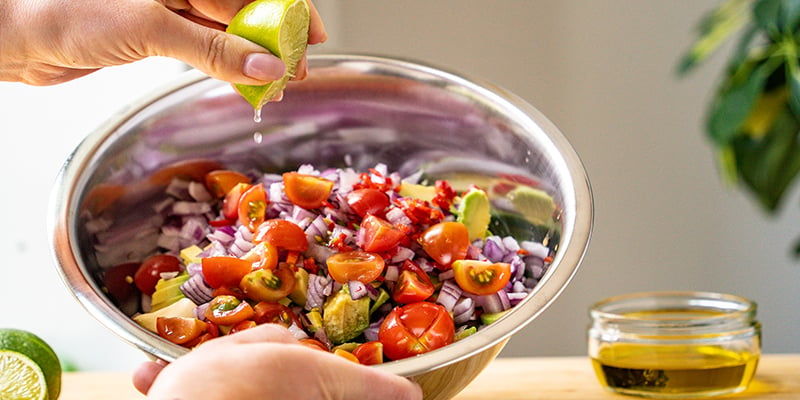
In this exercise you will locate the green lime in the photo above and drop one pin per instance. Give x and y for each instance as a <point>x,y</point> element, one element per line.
<point>280,26</point>
<point>19,350</point>
<point>20,378</point>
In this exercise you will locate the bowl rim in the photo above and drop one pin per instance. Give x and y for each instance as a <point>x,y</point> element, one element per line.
<point>572,249</point>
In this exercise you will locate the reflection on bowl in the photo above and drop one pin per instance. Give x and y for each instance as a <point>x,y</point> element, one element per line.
<point>362,110</point>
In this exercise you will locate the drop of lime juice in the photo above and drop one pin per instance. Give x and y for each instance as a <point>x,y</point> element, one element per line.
<point>257,115</point>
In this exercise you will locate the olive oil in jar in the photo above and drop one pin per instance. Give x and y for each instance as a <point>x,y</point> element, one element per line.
<point>674,370</point>
<point>674,344</point>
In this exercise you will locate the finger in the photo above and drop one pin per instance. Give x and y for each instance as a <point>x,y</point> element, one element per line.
<point>145,374</point>
<point>221,55</point>
<point>316,29</point>
<point>302,69</point>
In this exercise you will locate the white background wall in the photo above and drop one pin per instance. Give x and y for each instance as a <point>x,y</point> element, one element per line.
<point>602,70</point>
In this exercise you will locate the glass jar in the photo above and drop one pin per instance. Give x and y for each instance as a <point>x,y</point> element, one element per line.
<point>674,344</point>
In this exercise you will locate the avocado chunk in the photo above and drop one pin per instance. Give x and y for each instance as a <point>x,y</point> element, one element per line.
<point>344,318</point>
<point>415,191</point>
<point>168,291</point>
<point>488,318</point>
<point>300,292</point>
<point>474,212</point>
<point>536,205</point>
<point>181,308</point>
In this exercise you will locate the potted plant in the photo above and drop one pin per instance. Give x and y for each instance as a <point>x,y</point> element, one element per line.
<point>753,119</point>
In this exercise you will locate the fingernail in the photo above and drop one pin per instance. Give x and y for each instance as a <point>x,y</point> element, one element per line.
<point>263,67</point>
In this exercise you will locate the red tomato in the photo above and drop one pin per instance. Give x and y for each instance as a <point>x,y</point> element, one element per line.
<point>180,330</point>
<point>314,344</point>
<point>368,201</point>
<point>307,191</point>
<point>268,285</point>
<point>150,271</point>
<point>282,234</point>
<point>414,329</point>
<point>481,277</point>
<point>378,235</point>
<point>269,312</point>
<point>228,310</point>
<point>355,266</point>
<point>412,285</point>
<point>221,181</point>
<point>369,353</point>
<point>118,282</point>
<point>230,204</point>
<point>253,206</point>
<point>446,242</point>
<point>246,324</point>
<point>346,355</point>
<point>222,271</point>
<point>264,255</point>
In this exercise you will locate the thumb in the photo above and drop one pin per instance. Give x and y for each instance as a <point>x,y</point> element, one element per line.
<point>219,54</point>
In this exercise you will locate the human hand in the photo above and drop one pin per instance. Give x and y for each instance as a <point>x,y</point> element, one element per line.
<point>266,362</point>
<point>46,42</point>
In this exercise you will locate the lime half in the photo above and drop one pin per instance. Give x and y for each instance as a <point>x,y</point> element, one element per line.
<point>20,378</point>
<point>18,351</point>
<point>280,26</point>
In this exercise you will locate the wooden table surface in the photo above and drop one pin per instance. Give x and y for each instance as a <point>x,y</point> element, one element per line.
<point>550,378</point>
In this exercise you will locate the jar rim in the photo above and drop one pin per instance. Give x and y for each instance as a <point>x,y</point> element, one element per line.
<point>665,307</point>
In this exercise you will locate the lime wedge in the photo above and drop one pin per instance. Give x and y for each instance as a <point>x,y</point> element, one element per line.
<point>280,26</point>
<point>20,378</point>
<point>18,349</point>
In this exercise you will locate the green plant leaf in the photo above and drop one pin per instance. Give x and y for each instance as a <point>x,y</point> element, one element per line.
<point>790,15</point>
<point>714,29</point>
<point>769,165</point>
<point>766,14</point>
<point>736,98</point>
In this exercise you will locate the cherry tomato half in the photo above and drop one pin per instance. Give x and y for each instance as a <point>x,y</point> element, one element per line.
<point>359,266</point>
<point>414,329</point>
<point>412,285</point>
<point>228,310</point>
<point>253,207</point>
<point>367,201</point>
<point>118,282</point>
<point>378,235</point>
<point>264,255</point>
<point>269,312</point>
<point>268,285</point>
<point>369,353</point>
<point>230,204</point>
<point>180,330</point>
<point>314,344</point>
<point>243,325</point>
<point>481,277</point>
<point>150,271</point>
<point>223,271</point>
<point>446,242</point>
<point>307,191</point>
<point>188,170</point>
<point>282,234</point>
<point>221,181</point>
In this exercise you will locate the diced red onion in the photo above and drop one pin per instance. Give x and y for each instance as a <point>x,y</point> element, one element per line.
<point>322,336</point>
<point>318,252</point>
<point>178,188</point>
<point>392,273</point>
<point>494,303</point>
<point>200,311</point>
<point>371,333</point>
<point>357,289</point>
<point>402,254</point>
<point>493,249</point>
<point>464,310</point>
<point>220,236</point>
<point>197,290</point>
<point>96,225</point>
<point>510,244</point>
<point>449,295</point>
<point>397,216</point>
<point>302,217</point>
<point>164,205</point>
<point>297,332</point>
<point>535,249</point>
<point>168,275</point>
<point>198,192</point>
<point>449,274</point>
<point>318,228</point>
<point>517,269</point>
<point>190,208</point>
<point>516,297</point>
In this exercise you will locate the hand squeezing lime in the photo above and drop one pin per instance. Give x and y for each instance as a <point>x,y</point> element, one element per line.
<point>280,26</point>
<point>29,368</point>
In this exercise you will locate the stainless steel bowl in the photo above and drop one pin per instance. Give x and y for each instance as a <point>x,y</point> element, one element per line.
<point>363,109</point>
